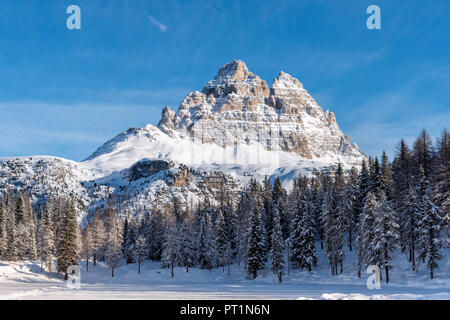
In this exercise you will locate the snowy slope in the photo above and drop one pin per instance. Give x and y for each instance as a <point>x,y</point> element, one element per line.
<point>43,176</point>
<point>27,282</point>
<point>241,161</point>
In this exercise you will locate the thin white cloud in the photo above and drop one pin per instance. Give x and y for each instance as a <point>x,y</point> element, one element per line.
<point>162,27</point>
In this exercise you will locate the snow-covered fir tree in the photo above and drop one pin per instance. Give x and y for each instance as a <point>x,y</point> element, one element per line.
<point>366,230</point>
<point>428,226</point>
<point>130,241</point>
<point>11,253</point>
<point>67,247</point>
<point>333,222</point>
<point>307,240</point>
<point>21,227</point>
<point>441,185</point>
<point>268,209</point>
<point>169,253</point>
<point>277,246</point>
<point>385,234</point>
<point>386,175</point>
<point>256,243</point>
<point>205,255</point>
<point>411,212</point>
<point>3,234</point>
<point>221,241</point>
<point>352,207</point>
<point>296,249</point>
<point>154,234</point>
<point>185,243</point>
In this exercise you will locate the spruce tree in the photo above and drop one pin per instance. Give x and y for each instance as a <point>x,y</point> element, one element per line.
<point>31,251</point>
<point>256,243</point>
<point>423,150</point>
<point>409,225</point>
<point>268,209</point>
<point>364,182</point>
<point>186,244</point>
<point>386,175</point>
<point>307,240</point>
<point>385,234</point>
<point>276,248</point>
<point>205,240</point>
<point>279,199</point>
<point>296,252</point>
<point>130,241</point>
<point>328,231</point>
<point>441,186</point>
<point>3,235</point>
<point>302,239</point>
<point>154,233</point>
<point>352,207</point>
<point>221,241</point>
<point>169,253</point>
<point>124,235</point>
<point>367,230</point>
<point>428,226</point>
<point>21,227</point>
<point>316,208</point>
<point>376,178</point>
<point>67,249</point>
<point>333,220</point>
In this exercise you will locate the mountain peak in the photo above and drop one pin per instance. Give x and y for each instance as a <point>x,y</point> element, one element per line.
<point>286,80</point>
<point>288,91</point>
<point>234,77</point>
<point>236,69</point>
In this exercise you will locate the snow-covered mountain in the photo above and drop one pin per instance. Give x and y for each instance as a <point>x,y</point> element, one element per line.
<point>236,126</point>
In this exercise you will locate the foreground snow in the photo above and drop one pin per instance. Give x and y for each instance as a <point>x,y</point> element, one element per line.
<point>27,282</point>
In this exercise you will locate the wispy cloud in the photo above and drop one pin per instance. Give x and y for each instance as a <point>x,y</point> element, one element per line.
<point>162,27</point>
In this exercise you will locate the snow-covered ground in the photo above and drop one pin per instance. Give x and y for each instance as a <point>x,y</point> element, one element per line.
<point>27,282</point>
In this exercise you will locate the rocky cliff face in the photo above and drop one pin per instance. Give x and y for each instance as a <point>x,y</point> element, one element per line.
<point>237,107</point>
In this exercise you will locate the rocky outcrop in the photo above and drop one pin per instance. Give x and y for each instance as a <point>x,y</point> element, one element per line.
<point>146,168</point>
<point>166,122</point>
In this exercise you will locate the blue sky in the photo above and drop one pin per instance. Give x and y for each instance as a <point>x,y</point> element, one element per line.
<point>64,92</point>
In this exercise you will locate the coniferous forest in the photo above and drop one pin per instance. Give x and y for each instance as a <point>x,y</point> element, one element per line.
<point>383,208</point>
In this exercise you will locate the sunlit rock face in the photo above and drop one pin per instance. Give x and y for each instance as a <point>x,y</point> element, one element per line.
<point>237,107</point>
